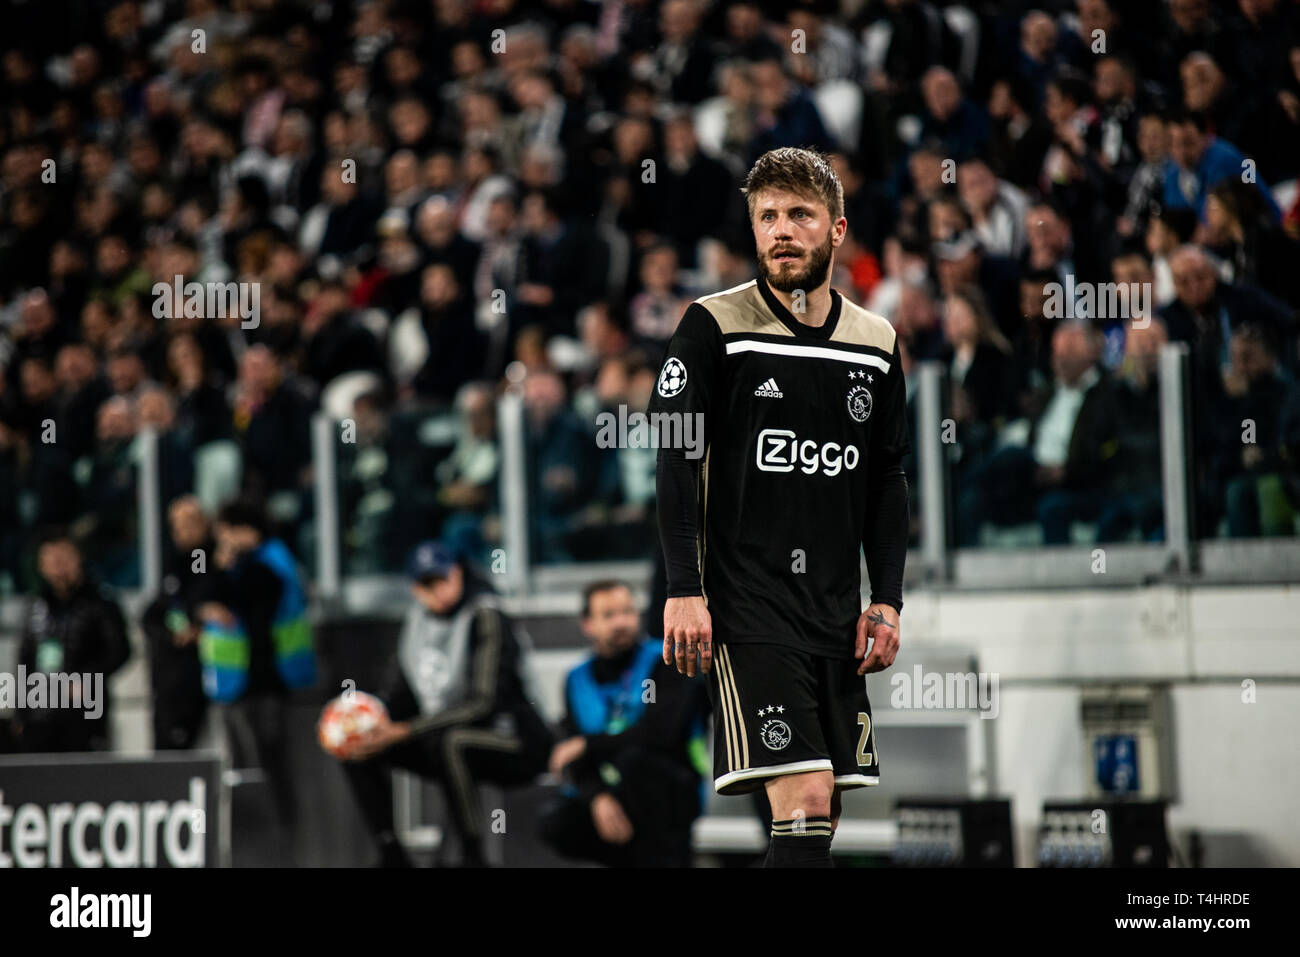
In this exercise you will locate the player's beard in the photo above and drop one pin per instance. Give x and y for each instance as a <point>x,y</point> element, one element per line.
<point>808,278</point>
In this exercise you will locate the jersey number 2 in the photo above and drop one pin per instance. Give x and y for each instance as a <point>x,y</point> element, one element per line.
<point>865,757</point>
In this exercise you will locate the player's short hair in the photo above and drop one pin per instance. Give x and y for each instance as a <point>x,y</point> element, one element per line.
<point>593,588</point>
<point>796,170</point>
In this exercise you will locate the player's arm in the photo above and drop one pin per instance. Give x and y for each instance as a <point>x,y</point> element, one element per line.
<point>885,525</point>
<point>696,347</point>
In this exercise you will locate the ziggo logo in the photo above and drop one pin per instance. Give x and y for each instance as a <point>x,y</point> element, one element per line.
<point>780,451</point>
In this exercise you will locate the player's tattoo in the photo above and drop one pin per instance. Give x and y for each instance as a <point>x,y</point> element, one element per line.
<point>878,617</point>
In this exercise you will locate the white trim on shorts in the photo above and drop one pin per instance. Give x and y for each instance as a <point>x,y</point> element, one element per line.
<point>856,780</point>
<point>772,771</point>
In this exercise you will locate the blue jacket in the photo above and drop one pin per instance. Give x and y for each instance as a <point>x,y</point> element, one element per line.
<point>1221,161</point>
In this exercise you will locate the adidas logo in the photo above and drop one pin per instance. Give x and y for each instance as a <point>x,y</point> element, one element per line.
<point>769,390</point>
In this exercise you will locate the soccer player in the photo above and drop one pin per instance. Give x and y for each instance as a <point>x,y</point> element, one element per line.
<point>801,398</point>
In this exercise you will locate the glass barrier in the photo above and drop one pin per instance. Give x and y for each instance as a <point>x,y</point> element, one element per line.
<point>90,493</point>
<point>1035,461</point>
<point>1245,438</point>
<point>409,473</point>
<point>590,474</point>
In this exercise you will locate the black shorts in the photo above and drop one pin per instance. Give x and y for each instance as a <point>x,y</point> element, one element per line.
<point>778,710</point>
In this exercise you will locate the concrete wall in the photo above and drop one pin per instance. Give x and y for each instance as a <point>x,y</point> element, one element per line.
<point>1236,764</point>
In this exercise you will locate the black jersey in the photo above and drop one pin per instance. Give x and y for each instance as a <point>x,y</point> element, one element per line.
<point>804,432</point>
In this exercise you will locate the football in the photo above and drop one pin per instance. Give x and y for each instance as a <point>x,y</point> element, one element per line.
<point>347,719</point>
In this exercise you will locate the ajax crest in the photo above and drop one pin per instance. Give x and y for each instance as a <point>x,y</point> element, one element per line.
<point>859,403</point>
<point>775,735</point>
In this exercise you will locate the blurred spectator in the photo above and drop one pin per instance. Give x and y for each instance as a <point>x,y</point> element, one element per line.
<point>81,391</point>
<point>640,812</point>
<point>1167,230</point>
<point>694,181</point>
<point>467,478</point>
<point>1199,162</point>
<point>1061,472</point>
<point>1137,502</point>
<point>682,65</point>
<point>996,208</point>
<point>979,366</point>
<point>1250,458</point>
<point>830,53</point>
<point>272,423</point>
<point>1038,52</point>
<point>1135,282</point>
<point>601,334</point>
<point>171,631</point>
<point>333,339</point>
<point>961,261</point>
<point>255,597</point>
<point>453,348</point>
<point>1146,186</point>
<point>127,375</point>
<point>202,412</point>
<point>1019,136</point>
<point>1119,101</point>
<point>1033,345</point>
<point>560,476</point>
<point>1207,311</point>
<point>108,523</point>
<point>36,334</point>
<point>458,703</point>
<point>787,114</point>
<point>656,309</point>
<point>341,224</point>
<point>441,241</point>
<point>557,268</point>
<point>917,320</point>
<point>1241,232</point>
<point>949,118</point>
<point>74,634</point>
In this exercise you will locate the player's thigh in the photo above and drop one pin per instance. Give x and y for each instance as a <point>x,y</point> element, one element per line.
<point>765,716</point>
<point>847,724</point>
<point>795,796</point>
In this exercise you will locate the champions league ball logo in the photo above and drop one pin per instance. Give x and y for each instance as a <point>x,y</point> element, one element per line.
<point>672,379</point>
<point>859,402</point>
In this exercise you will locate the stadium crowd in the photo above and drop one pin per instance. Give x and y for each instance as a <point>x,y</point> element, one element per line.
<point>438,201</point>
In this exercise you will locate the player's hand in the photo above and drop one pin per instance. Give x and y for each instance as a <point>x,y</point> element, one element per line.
<point>688,632</point>
<point>879,623</point>
<point>610,819</point>
<point>380,738</point>
<point>566,752</point>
